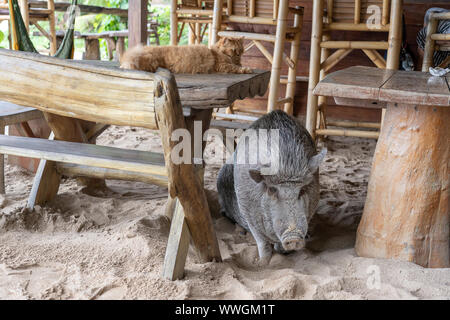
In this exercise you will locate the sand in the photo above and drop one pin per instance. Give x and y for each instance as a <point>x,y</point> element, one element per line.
<point>110,244</point>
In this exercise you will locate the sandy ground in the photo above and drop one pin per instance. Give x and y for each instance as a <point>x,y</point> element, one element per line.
<point>110,245</point>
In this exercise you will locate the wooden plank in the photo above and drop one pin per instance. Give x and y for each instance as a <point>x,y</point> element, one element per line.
<point>77,170</point>
<point>77,89</point>
<point>84,154</point>
<point>177,246</point>
<point>11,113</point>
<point>84,9</point>
<point>415,87</point>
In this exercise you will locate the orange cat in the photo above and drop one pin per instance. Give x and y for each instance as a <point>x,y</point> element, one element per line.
<point>223,57</point>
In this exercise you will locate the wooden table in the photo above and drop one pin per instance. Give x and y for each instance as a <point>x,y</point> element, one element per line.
<point>79,97</point>
<point>406,214</point>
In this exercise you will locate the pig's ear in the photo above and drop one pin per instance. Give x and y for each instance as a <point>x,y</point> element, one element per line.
<point>256,175</point>
<point>315,161</point>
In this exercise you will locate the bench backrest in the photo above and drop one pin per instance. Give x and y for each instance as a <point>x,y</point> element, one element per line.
<point>87,90</point>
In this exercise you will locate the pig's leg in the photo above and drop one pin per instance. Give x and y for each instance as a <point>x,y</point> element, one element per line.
<point>278,247</point>
<point>264,247</point>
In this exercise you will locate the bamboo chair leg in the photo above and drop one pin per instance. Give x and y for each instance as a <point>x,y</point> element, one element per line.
<point>173,23</point>
<point>292,81</point>
<point>325,53</point>
<point>280,39</point>
<point>395,35</point>
<point>217,20</point>
<point>2,166</point>
<point>429,45</point>
<point>314,67</point>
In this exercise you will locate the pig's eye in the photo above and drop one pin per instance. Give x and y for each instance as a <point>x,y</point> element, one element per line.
<point>301,193</point>
<point>272,191</point>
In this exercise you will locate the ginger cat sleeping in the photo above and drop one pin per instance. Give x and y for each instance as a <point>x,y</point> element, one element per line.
<point>223,57</point>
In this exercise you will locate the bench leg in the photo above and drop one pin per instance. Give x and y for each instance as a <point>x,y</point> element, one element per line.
<point>2,166</point>
<point>177,245</point>
<point>46,183</point>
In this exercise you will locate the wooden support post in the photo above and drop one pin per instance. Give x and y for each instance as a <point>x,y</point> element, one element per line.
<point>91,49</point>
<point>280,39</point>
<point>137,22</point>
<point>217,20</point>
<point>52,27</point>
<point>314,67</point>
<point>376,58</point>
<point>292,79</point>
<point>406,214</point>
<point>120,48</point>
<point>395,35</point>
<point>183,181</point>
<point>177,245</point>
<point>173,23</point>
<point>23,4</point>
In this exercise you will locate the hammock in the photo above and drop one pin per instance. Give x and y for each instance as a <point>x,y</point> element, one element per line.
<point>22,42</point>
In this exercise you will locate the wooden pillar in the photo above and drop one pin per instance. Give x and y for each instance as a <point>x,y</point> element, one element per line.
<point>314,67</point>
<point>406,214</point>
<point>217,21</point>
<point>428,51</point>
<point>137,22</point>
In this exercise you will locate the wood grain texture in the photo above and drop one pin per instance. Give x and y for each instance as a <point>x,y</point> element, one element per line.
<point>12,113</point>
<point>77,89</point>
<point>406,214</point>
<point>183,181</point>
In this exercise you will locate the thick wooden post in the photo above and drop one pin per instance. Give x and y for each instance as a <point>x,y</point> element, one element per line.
<point>217,21</point>
<point>406,214</point>
<point>137,22</point>
<point>173,23</point>
<point>183,180</point>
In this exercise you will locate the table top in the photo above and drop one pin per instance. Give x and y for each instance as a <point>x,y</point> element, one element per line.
<point>369,83</point>
<point>213,90</point>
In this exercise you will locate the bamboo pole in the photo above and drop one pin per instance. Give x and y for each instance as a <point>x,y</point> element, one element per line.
<point>252,9</point>
<point>440,36</point>
<point>248,35</point>
<point>292,79</point>
<point>334,59</point>
<point>376,58</point>
<point>217,20</point>
<point>23,4</point>
<point>329,11</point>
<point>280,38</point>
<point>173,23</point>
<point>275,9</point>
<point>377,45</point>
<point>314,66</point>
<point>263,50</point>
<point>357,17</point>
<point>345,26</point>
<point>348,133</point>
<point>429,45</point>
<point>395,35</point>
<point>354,124</point>
<point>385,13</point>
<point>255,20</point>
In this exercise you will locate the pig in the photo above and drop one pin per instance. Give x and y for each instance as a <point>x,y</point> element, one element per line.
<point>275,208</point>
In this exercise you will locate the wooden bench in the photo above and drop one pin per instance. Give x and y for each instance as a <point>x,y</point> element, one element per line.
<point>70,93</point>
<point>11,114</point>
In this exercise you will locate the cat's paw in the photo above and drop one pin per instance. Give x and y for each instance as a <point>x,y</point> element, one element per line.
<point>246,70</point>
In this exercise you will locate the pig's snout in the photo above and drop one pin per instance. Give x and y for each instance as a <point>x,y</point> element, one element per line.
<point>293,241</point>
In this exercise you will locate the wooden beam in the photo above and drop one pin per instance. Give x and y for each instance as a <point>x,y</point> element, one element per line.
<point>137,22</point>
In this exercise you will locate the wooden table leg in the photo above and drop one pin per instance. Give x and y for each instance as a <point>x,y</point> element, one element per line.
<point>183,181</point>
<point>91,49</point>
<point>406,214</point>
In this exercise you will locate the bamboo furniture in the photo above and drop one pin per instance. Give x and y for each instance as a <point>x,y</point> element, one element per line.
<point>435,41</point>
<point>196,14</point>
<point>11,114</point>
<point>34,16</point>
<point>406,214</point>
<point>272,13</point>
<point>331,16</point>
<point>70,91</point>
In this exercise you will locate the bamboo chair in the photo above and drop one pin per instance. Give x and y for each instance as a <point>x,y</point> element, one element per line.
<point>34,16</point>
<point>197,14</point>
<point>270,13</point>
<point>435,41</point>
<point>349,15</point>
